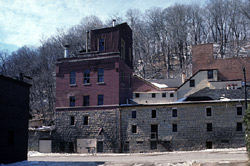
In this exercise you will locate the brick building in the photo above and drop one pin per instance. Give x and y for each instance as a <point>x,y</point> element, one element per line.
<point>14,118</point>
<point>204,57</point>
<point>89,89</point>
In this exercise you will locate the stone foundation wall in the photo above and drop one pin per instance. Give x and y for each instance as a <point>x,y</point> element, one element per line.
<point>191,124</point>
<point>35,136</point>
<point>103,125</point>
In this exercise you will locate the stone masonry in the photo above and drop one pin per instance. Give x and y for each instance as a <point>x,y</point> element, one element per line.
<point>103,125</point>
<point>191,122</point>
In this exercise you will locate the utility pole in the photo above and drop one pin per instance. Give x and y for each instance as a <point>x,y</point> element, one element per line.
<point>245,87</point>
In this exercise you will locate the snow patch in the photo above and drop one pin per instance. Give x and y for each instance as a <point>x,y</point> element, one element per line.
<point>159,85</point>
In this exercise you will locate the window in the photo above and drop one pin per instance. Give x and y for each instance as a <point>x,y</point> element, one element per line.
<point>174,112</point>
<point>122,77</point>
<point>86,76</point>
<point>239,110</point>
<point>210,74</point>
<point>134,129</point>
<point>85,100</point>
<point>72,78</point>
<point>209,145</point>
<point>153,95</point>
<point>163,94</point>
<point>174,127</point>
<point>11,137</point>
<point>209,127</point>
<point>72,101</point>
<point>86,120</point>
<point>126,146</point>
<point>171,94</point>
<point>153,145</point>
<point>100,100</point>
<point>133,114</point>
<point>209,111</point>
<point>100,75</point>
<point>99,146</point>
<point>153,113</point>
<point>239,126</point>
<point>72,120</point>
<point>122,49</point>
<point>137,95</point>
<point>139,142</point>
<point>154,132</point>
<point>192,83</point>
<point>101,44</point>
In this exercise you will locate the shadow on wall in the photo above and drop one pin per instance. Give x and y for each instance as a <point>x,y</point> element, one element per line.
<point>50,163</point>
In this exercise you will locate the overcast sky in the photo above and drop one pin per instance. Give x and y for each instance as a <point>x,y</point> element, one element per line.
<point>26,22</point>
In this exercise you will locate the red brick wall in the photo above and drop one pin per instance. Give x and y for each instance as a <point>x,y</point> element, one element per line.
<point>228,69</point>
<point>110,88</point>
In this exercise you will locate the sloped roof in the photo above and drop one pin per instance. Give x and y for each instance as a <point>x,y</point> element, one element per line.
<point>171,83</point>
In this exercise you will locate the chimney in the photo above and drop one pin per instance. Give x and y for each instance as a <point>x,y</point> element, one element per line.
<point>66,50</point>
<point>87,41</point>
<point>183,77</point>
<point>114,21</point>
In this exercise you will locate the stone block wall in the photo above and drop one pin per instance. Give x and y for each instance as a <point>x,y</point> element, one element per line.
<point>191,124</point>
<point>103,125</point>
<point>35,136</point>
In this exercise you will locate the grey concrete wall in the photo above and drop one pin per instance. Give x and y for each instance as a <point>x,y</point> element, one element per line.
<point>103,125</point>
<point>191,123</point>
<point>35,136</point>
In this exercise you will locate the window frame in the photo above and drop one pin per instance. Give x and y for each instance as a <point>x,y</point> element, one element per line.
<point>192,83</point>
<point>100,102</point>
<point>86,76</point>
<point>174,127</point>
<point>72,120</point>
<point>171,95</point>
<point>85,120</point>
<point>239,112</point>
<point>100,75</point>
<point>153,95</point>
<point>88,101</point>
<point>72,78</point>
<point>209,127</point>
<point>153,114</point>
<point>72,101</point>
<point>133,114</point>
<point>137,95</point>
<point>163,95</point>
<point>134,129</point>
<point>210,74</point>
<point>211,113</point>
<point>174,115</point>
<point>239,126</point>
<point>101,48</point>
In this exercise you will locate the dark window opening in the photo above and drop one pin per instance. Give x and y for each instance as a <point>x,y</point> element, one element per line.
<point>73,78</point>
<point>210,74</point>
<point>225,141</point>
<point>85,120</point>
<point>154,131</point>
<point>99,146</point>
<point>209,145</point>
<point>153,145</point>
<point>153,113</point>
<point>239,110</point>
<point>126,146</point>
<point>137,95</point>
<point>101,44</point>
<point>100,99</point>
<point>209,111</point>
<point>153,95</point>
<point>71,147</point>
<point>62,147</point>
<point>139,142</point>
<point>174,127</point>
<point>100,75</point>
<point>11,137</point>
<point>72,120</point>
<point>174,112</point>
<point>192,83</point>
<point>171,94</point>
<point>85,100</point>
<point>133,114</point>
<point>134,129</point>
<point>86,76</point>
<point>163,94</point>
<point>239,127</point>
<point>72,101</point>
<point>209,127</point>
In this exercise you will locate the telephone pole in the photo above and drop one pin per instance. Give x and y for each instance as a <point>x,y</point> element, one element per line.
<point>245,87</point>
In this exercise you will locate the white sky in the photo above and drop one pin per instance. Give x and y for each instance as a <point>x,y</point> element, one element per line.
<point>26,22</point>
